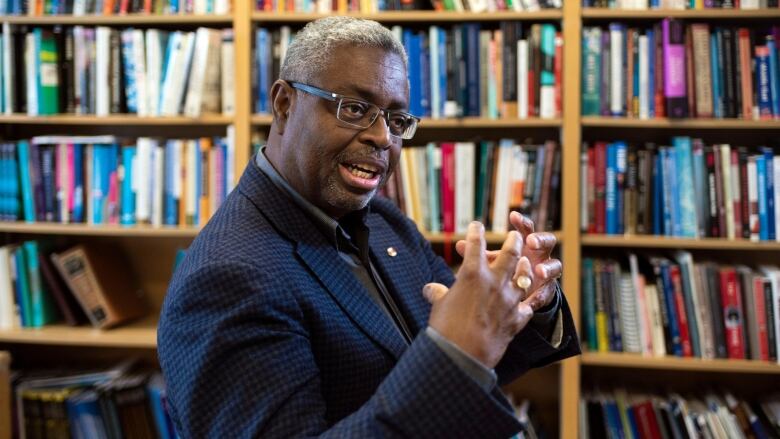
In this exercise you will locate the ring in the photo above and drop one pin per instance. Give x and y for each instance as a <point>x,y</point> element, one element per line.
<point>523,282</point>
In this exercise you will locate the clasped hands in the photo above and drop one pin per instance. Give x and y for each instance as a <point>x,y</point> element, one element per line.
<point>486,306</point>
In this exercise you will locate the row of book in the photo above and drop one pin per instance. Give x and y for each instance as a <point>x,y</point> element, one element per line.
<point>618,413</point>
<point>101,71</point>
<point>113,7</point>
<point>122,401</point>
<point>373,6</point>
<point>101,180</point>
<point>445,186</point>
<point>688,189</point>
<point>680,4</point>
<point>510,72</point>
<point>660,306</point>
<point>43,283</point>
<point>676,70</point>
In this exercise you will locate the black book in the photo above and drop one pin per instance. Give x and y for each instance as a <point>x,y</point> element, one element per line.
<point>742,157</point>
<point>729,72</point>
<point>770,318</point>
<point>20,75</point>
<point>712,278</point>
<point>116,79</point>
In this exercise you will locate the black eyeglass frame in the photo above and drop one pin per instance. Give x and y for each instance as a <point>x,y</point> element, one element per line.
<point>335,97</point>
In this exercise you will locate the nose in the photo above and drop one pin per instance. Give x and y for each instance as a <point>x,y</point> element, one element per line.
<point>378,133</point>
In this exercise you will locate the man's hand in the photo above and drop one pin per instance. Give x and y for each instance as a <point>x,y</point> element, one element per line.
<point>484,309</point>
<point>537,248</point>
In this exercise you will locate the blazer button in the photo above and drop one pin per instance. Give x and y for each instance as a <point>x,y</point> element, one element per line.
<point>391,252</point>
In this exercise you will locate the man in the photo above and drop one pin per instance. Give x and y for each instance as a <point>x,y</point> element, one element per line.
<point>299,309</point>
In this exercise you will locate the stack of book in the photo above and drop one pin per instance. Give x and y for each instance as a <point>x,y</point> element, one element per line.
<point>510,72</point>
<point>113,7</point>
<point>687,190</point>
<point>373,6</point>
<point>102,71</point>
<point>102,180</point>
<point>443,187</point>
<point>676,70</point>
<point>710,414</point>
<point>673,306</point>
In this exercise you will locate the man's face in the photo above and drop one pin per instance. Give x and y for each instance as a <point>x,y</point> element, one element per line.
<point>335,166</point>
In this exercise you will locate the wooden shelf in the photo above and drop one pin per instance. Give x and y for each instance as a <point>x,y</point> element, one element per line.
<point>490,237</point>
<point>413,16</point>
<point>99,230</point>
<point>466,122</point>
<point>652,241</point>
<point>120,20</point>
<point>115,119</point>
<point>699,14</point>
<point>719,124</point>
<point>625,360</point>
<point>141,334</point>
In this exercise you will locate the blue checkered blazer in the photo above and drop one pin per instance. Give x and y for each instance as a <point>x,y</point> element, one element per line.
<point>264,332</point>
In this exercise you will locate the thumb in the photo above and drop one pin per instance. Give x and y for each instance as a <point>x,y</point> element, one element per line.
<point>434,291</point>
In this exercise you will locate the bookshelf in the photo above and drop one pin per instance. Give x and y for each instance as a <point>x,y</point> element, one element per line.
<point>141,242</point>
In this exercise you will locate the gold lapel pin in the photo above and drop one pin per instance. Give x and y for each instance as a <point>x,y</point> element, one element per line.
<point>391,252</point>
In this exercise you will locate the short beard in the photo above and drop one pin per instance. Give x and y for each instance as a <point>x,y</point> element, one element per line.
<point>344,200</point>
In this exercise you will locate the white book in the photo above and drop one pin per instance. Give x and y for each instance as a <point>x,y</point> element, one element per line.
<point>477,5</point>
<point>102,71</point>
<point>630,318</point>
<point>776,174</point>
<point>616,97</point>
<point>547,101</point>
<point>728,196</point>
<point>749,4</point>
<point>55,139</point>
<point>656,321</point>
<point>230,158</point>
<point>522,79</point>
<point>142,174</point>
<point>139,72</point>
<point>63,175</point>
<point>200,7</point>
<point>7,301</point>
<point>420,176</point>
<point>531,5</point>
<point>154,60</point>
<point>158,185</point>
<point>9,63</point>
<point>642,311</point>
<point>285,38</point>
<point>80,57</point>
<point>211,101</point>
<point>500,211</point>
<point>752,173</point>
<point>406,183</point>
<point>433,38</point>
<point>189,50</point>
<point>644,78</point>
<point>31,72</point>
<point>685,259</point>
<point>464,185</point>
<point>180,57</point>
<point>194,92</point>
<point>228,93</point>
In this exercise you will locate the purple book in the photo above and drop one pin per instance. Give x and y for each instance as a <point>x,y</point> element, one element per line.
<point>674,69</point>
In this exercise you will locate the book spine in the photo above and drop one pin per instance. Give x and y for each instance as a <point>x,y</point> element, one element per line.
<point>674,68</point>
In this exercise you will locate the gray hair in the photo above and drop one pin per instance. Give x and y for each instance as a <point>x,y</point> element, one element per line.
<point>311,48</point>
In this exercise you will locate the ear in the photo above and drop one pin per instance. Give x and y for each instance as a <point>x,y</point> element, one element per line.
<point>282,103</point>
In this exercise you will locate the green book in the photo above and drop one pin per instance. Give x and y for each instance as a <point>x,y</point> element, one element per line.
<point>47,80</point>
<point>591,74</point>
<point>43,310</point>
<point>23,287</point>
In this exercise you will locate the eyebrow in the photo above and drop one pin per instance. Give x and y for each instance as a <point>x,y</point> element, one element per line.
<point>368,95</point>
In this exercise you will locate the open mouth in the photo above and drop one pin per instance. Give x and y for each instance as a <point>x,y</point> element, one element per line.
<point>362,171</point>
<point>363,176</point>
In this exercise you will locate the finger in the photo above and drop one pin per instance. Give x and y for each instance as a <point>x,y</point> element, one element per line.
<point>521,223</point>
<point>548,270</point>
<point>434,292</point>
<point>510,252</point>
<point>523,277</point>
<point>541,243</point>
<point>474,253</point>
<point>541,296</point>
<point>522,316</point>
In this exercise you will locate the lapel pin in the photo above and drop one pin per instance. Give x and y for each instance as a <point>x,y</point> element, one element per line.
<point>391,251</point>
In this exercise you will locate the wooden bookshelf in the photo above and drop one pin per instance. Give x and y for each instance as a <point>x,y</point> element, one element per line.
<point>122,20</point>
<point>706,124</point>
<point>141,334</point>
<point>637,361</point>
<point>116,119</point>
<point>413,16</point>
<point>138,231</point>
<point>698,14</point>
<point>465,122</point>
<point>652,241</point>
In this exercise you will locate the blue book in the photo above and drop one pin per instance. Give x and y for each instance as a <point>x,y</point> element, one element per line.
<point>50,210</point>
<point>13,182</point>
<point>611,193</point>
<point>425,73</point>
<point>171,198</point>
<point>700,188</point>
<point>689,224</point>
<point>78,183</point>
<point>671,309</point>
<point>411,44</point>
<point>5,183</point>
<point>717,72</point>
<point>651,69</point>
<point>774,79</point>
<point>22,290</point>
<point>471,35</point>
<point>131,92</point>
<point>25,181</point>
<point>770,192</point>
<point>442,52</point>
<point>127,211</point>
<point>763,83</point>
<point>264,57</point>
<point>84,414</point>
<point>43,310</point>
<point>155,390</point>
<point>763,214</point>
<point>621,150</point>
<point>658,195</point>
<point>612,417</point>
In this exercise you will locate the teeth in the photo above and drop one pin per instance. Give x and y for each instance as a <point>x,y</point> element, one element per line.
<point>360,174</point>
<point>366,168</point>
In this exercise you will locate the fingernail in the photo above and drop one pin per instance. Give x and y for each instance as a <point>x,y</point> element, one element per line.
<point>525,310</point>
<point>545,273</point>
<point>474,226</point>
<point>427,291</point>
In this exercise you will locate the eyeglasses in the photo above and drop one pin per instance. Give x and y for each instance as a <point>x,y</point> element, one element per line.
<point>361,114</point>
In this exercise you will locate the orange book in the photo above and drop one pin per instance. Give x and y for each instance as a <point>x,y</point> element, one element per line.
<point>205,168</point>
<point>745,64</point>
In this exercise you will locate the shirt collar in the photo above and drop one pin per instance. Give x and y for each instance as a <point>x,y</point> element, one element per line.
<point>332,229</point>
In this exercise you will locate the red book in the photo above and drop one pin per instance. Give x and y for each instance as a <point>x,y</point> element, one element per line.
<point>731,300</point>
<point>660,104</point>
<point>682,317</point>
<point>591,190</point>
<point>599,203</point>
<point>558,72</point>
<point>448,186</point>
<point>647,423</point>
<point>759,309</point>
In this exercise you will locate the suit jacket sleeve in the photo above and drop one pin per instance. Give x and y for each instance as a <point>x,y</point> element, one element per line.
<point>237,358</point>
<point>530,348</point>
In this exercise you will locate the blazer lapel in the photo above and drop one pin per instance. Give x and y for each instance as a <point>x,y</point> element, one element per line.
<point>321,258</point>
